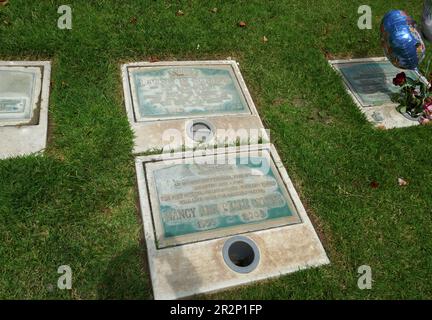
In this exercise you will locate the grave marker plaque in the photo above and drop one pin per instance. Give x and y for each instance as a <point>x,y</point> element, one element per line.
<point>185,91</point>
<point>370,83</point>
<point>24,93</point>
<point>20,89</point>
<point>219,219</point>
<point>165,96</point>
<point>198,201</point>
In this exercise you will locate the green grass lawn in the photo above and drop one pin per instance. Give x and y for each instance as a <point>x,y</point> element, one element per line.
<point>77,203</point>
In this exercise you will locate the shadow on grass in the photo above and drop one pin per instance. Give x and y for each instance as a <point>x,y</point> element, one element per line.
<point>126,277</point>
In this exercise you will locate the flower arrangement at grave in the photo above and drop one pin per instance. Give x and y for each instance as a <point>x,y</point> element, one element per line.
<point>404,47</point>
<point>414,98</point>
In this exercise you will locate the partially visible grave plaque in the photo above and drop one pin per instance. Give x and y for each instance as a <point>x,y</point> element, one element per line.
<point>20,90</point>
<point>216,219</point>
<point>370,83</point>
<point>199,201</point>
<point>24,94</point>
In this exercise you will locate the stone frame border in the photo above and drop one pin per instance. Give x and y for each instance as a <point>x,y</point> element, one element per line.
<point>24,140</point>
<point>192,258</point>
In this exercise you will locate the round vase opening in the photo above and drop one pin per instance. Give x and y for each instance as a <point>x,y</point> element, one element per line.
<point>200,131</point>
<point>241,254</point>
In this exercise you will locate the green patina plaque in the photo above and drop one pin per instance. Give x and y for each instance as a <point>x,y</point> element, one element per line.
<point>372,82</point>
<point>194,199</point>
<point>181,91</point>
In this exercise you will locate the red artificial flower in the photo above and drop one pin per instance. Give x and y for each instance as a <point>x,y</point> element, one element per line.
<point>400,79</point>
<point>427,103</point>
<point>427,106</point>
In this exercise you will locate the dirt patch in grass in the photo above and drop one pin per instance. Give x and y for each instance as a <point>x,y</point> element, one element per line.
<point>320,116</point>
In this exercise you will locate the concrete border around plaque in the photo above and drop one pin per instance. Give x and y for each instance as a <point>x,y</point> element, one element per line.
<point>162,98</point>
<point>375,104</point>
<point>24,97</point>
<point>194,208</point>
